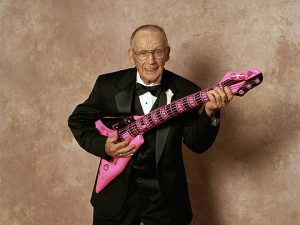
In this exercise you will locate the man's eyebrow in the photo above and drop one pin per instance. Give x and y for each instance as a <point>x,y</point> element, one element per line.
<point>146,48</point>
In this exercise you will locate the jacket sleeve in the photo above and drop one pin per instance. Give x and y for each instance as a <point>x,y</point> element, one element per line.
<point>199,134</point>
<point>82,123</point>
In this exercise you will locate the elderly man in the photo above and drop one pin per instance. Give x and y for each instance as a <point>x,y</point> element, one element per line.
<point>152,188</point>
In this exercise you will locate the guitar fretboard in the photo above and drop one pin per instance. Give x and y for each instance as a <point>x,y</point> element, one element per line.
<point>164,113</point>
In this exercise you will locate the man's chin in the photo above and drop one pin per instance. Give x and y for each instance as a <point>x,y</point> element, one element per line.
<point>151,78</point>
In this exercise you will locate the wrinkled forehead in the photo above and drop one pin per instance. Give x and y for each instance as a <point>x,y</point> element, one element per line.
<point>148,38</point>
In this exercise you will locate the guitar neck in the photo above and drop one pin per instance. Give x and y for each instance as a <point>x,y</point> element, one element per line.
<point>165,113</point>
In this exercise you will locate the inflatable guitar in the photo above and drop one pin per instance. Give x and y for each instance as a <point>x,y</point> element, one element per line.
<point>134,126</point>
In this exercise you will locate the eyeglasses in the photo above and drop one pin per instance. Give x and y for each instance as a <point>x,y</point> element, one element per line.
<point>144,54</point>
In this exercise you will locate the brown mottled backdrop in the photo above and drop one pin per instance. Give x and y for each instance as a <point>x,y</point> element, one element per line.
<point>51,53</point>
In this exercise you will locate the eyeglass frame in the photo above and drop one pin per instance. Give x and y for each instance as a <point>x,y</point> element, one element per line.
<point>150,51</point>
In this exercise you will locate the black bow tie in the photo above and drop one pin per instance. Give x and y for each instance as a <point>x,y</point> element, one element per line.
<point>141,89</point>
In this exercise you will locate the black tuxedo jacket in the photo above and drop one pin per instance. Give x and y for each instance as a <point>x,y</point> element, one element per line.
<point>113,95</point>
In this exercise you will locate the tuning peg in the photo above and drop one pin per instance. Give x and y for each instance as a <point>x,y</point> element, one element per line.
<point>241,92</point>
<point>248,86</point>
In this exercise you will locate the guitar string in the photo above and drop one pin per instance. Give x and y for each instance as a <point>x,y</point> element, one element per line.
<point>171,110</point>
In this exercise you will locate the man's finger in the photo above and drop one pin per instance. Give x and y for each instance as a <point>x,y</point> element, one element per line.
<point>228,93</point>
<point>113,138</point>
<point>211,97</point>
<point>120,145</point>
<point>217,97</point>
<point>127,151</point>
<point>222,94</point>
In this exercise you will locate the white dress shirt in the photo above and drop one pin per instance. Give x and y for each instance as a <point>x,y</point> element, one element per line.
<point>147,100</point>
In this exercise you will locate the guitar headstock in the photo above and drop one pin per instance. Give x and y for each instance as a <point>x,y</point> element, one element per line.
<point>241,82</point>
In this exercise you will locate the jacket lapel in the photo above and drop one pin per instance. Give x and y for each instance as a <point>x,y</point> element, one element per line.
<point>162,133</point>
<point>124,100</point>
<point>124,97</point>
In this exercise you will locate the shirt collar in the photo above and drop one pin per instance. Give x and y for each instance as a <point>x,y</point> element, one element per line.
<point>140,81</point>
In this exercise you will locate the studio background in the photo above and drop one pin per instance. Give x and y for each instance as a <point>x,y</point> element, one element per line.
<point>51,54</point>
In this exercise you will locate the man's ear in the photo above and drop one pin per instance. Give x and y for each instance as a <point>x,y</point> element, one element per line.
<point>168,50</point>
<point>130,56</point>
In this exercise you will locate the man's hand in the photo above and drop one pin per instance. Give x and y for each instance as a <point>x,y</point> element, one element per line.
<point>218,99</point>
<point>118,149</point>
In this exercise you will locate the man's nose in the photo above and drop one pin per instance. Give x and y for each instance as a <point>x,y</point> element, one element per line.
<point>151,57</point>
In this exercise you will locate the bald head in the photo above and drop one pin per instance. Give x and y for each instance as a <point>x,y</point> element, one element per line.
<point>149,27</point>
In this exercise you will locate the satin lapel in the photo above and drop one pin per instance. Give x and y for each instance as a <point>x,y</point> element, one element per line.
<point>162,133</point>
<point>124,97</point>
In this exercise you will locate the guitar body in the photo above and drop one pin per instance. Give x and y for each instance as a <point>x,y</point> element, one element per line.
<point>132,128</point>
<point>108,170</point>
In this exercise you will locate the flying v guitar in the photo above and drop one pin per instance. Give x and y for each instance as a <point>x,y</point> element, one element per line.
<point>134,126</point>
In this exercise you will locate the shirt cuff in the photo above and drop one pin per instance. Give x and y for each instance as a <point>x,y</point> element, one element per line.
<point>214,121</point>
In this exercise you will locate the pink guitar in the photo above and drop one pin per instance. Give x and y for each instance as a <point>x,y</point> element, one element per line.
<point>134,126</point>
